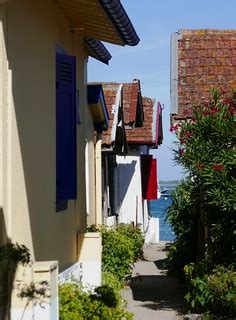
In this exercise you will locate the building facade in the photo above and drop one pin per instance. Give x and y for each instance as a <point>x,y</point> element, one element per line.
<point>47,143</point>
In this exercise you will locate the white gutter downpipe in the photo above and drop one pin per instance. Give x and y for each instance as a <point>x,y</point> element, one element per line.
<point>175,37</point>
<point>98,181</point>
<point>115,111</point>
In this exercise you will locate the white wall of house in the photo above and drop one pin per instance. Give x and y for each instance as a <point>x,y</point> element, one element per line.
<point>129,190</point>
<point>132,207</point>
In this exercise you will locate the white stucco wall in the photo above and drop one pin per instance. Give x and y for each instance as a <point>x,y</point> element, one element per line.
<point>129,193</point>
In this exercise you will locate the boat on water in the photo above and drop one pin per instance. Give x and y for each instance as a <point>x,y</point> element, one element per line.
<point>162,193</point>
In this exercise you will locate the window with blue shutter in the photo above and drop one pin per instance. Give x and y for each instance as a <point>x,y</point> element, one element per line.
<point>66,173</point>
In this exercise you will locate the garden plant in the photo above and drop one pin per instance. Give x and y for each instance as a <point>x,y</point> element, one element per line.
<point>203,211</point>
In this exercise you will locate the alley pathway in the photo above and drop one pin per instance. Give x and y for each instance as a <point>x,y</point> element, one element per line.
<point>152,295</point>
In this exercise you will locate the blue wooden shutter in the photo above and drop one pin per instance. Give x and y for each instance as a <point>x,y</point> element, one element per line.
<point>66,173</point>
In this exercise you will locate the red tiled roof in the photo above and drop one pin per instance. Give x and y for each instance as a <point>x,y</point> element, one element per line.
<point>130,100</point>
<point>151,131</point>
<point>147,133</point>
<point>206,59</point>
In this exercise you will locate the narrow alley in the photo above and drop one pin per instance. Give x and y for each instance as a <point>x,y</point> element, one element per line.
<point>152,295</point>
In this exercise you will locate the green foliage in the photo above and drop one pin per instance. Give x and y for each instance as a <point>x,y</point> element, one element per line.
<point>14,253</point>
<point>214,291</point>
<point>135,236</point>
<point>107,295</point>
<point>206,149</point>
<point>121,248</point>
<point>75,304</point>
<point>110,279</point>
<point>202,214</point>
<point>93,228</point>
<point>183,219</point>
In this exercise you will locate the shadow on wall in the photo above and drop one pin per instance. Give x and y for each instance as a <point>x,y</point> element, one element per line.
<point>126,172</point>
<point>3,232</point>
<point>33,90</point>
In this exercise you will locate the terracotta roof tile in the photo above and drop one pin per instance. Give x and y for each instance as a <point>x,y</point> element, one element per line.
<point>148,133</point>
<point>130,100</point>
<point>145,134</point>
<point>206,59</point>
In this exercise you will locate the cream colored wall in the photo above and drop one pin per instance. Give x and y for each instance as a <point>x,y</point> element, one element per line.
<point>4,220</point>
<point>85,133</point>
<point>28,158</point>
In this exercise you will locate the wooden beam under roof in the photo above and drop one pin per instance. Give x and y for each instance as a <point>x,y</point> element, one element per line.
<point>89,18</point>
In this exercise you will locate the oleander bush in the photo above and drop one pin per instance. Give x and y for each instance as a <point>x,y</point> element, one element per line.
<point>206,150</point>
<point>76,304</point>
<point>121,248</point>
<point>202,214</point>
<point>211,291</point>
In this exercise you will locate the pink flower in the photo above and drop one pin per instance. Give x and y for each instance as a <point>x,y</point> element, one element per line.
<point>214,110</point>
<point>187,112</point>
<point>226,101</point>
<point>175,127</point>
<point>188,134</point>
<point>223,91</point>
<point>232,110</point>
<point>206,113</point>
<point>181,152</point>
<point>218,167</point>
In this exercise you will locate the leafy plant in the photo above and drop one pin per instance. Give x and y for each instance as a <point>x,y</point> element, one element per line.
<point>206,149</point>
<point>184,219</point>
<point>136,237</point>
<point>75,304</point>
<point>214,291</point>
<point>203,210</point>
<point>110,279</point>
<point>121,248</point>
<point>93,228</point>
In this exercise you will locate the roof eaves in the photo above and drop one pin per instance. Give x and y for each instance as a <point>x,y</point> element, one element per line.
<point>98,49</point>
<point>121,21</point>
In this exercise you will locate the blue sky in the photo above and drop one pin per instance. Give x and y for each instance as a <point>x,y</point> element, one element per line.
<point>149,61</point>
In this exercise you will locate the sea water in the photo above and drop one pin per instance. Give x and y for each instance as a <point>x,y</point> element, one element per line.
<point>158,209</point>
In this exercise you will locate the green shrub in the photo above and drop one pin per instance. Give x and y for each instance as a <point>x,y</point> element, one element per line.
<point>110,279</point>
<point>213,292</point>
<point>205,148</point>
<point>136,237</point>
<point>183,219</point>
<point>75,304</point>
<point>117,254</point>
<point>121,248</point>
